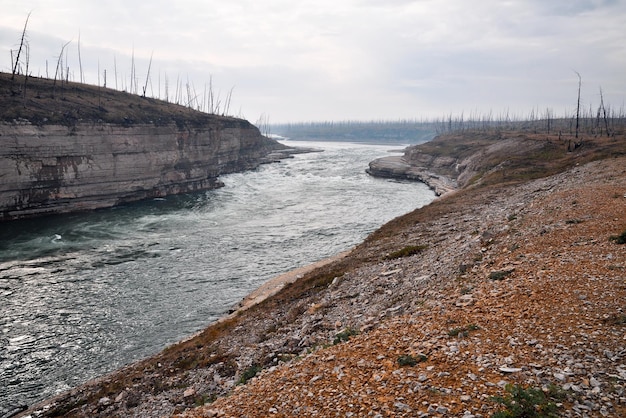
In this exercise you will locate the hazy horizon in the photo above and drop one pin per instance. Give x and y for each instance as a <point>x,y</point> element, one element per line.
<point>360,60</point>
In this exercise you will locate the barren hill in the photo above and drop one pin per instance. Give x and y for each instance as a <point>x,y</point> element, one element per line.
<point>72,147</point>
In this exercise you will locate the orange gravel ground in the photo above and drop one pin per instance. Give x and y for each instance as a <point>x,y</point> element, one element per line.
<point>559,317</point>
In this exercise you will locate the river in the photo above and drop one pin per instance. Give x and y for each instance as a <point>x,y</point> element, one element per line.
<point>83,294</point>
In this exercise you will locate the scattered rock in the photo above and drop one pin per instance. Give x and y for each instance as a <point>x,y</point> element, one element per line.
<point>505,369</point>
<point>536,314</point>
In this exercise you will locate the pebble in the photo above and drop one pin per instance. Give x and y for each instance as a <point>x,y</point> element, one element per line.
<point>402,407</point>
<point>104,401</point>
<point>505,369</point>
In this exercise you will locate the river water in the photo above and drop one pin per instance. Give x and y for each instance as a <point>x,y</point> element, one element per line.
<point>83,294</point>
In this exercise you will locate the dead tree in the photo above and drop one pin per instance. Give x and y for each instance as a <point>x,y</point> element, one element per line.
<point>56,73</point>
<point>115,71</point>
<point>132,73</point>
<point>27,51</point>
<point>228,99</point>
<point>606,121</point>
<point>80,62</point>
<point>19,51</point>
<point>578,104</point>
<point>147,75</point>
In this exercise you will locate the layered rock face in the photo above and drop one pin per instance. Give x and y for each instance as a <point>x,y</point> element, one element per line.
<point>445,171</point>
<point>55,169</point>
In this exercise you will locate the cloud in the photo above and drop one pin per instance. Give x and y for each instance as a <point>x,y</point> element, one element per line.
<point>354,59</point>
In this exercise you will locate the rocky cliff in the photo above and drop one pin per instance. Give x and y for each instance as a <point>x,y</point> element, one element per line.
<point>455,161</point>
<point>53,169</point>
<point>75,147</point>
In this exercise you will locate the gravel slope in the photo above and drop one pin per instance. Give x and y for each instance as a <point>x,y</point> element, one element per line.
<point>509,283</point>
<point>518,286</point>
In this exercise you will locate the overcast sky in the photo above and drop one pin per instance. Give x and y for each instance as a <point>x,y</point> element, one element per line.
<point>312,60</point>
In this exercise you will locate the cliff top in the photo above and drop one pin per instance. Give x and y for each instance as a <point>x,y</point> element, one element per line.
<point>46,101</point>
<point>516,278</point>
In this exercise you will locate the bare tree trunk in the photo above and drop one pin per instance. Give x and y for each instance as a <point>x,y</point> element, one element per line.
<point>204,100</point>
<point>80,62</point>
<point>147,75</point>
<point>115,71</point>
<point>606,122</point>
<point>19,51</point>
<point>578,104</point>
<point>211,101</point>
<point>227,103</point>
<point>167,92</point>
<point>177,88</point>
<point>26,74</point>
<point>132,71</point>
<point>56,73</point>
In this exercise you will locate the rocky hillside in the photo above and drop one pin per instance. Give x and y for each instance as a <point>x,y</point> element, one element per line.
<point>69,147</point>
<point>511,286</point>
<point>492,157</point>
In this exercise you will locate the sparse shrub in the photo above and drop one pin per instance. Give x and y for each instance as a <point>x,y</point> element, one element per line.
<point>500,274</point>
<point>619,239</point>
<point>616,319</point>
<point>464,331</point>
<point>466,290</point>
<point>409,360</point>
<point>406,251</point>
<point>514,247</point>
<point>525,403</point>
<point>555,392</point>
<point>345,335</point>
<point>204,399</point>
<point>249,373</point>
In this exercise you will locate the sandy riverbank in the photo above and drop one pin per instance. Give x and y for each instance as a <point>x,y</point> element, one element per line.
<point>274,285</point>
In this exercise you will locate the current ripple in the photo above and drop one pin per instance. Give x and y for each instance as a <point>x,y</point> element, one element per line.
<point>83,294</point>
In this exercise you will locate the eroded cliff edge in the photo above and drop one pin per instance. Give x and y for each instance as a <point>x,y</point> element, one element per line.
<point>452,162</point>
<point>85,149</point>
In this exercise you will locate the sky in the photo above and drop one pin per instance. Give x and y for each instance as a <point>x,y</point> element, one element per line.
<point>321,60</point>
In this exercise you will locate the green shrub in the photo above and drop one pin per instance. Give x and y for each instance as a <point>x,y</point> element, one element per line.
<point>345,335</point>
<point>204,399</point>
<point>524,403</point>
<point>619,239</point>
<point>409,360</point>
<point>249,373</point>
<point>406,251</point>
<point>500,274</point>
<point>464,331</point>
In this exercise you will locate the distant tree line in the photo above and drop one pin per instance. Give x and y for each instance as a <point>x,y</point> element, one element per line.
<point>400,131</point>
<point>602,120</point>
